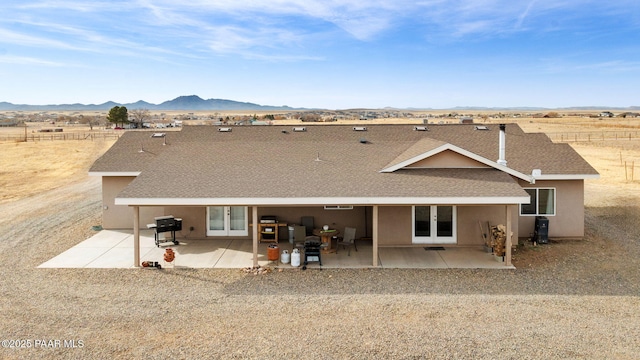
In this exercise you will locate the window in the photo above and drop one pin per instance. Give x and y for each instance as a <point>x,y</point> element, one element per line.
<point>543,202</point>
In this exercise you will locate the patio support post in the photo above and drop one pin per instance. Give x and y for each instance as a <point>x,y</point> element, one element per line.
<point>254,216</point>
<point>136,236</point>
<point>508,242</point>
<point>374,238</point>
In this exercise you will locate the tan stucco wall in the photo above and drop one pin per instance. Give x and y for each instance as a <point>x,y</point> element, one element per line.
<point>569,219</point>
<point>395,224</point>
<point>121,216</point>
<point>339,219</point>
<point>448,159</point>
<point>395,221</point>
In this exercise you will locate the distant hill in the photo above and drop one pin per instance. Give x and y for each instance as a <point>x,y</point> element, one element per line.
<point>195,103</point>
<point>191,102</point>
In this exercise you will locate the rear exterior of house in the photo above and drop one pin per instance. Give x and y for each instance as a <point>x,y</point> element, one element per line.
<point>398,185</point>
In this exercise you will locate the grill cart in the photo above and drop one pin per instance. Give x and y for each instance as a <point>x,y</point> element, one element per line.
<point>166,224</point>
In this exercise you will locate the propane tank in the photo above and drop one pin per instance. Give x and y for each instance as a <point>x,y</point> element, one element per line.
<point>295,258</point>
<point>284,258</point>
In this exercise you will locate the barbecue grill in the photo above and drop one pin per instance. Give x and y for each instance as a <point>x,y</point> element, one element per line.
<point>166,224</point>
<point>312,252</point>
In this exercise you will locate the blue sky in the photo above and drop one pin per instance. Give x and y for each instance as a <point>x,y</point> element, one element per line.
<point>328,53</point>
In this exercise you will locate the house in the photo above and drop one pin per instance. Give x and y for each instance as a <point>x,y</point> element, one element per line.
<point>400,185</point>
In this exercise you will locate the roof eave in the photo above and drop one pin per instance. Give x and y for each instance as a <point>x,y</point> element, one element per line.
<point>568,177</point>
<point>364,201</point>
<point>114,173</point>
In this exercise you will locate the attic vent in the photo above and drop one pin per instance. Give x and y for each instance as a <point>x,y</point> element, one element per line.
<point>359,128</point>
<point>481,127</point>
<point>225,129</point>
<point>158,135</point>
<point>299,129</point>
<point>420,128</point>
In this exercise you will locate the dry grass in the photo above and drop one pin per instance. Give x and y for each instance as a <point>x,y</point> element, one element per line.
<point>29,168</point>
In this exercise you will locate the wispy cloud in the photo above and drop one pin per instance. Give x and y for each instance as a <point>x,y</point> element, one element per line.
<point>22,60</point>
<point>258,29</point>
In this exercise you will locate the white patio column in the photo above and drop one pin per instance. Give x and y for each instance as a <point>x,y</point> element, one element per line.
<point>254,215</point>
<point>508,242</point>
<point>136,236</point>
<point>374,238</point>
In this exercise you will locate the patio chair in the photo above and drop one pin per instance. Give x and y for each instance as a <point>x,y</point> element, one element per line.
<point>307,222</point>
<point>299,236</point>
<point>348,240</point>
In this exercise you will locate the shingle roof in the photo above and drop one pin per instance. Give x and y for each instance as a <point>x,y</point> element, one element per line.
<point>276,164</point>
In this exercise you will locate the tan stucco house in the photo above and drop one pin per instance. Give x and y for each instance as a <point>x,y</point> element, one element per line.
<point>399,185</point>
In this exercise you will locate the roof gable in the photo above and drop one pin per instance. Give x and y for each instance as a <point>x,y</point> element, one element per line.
<point>444,148</point>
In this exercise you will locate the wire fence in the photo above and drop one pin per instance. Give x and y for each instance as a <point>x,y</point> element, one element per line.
<point>593,136</point>
<point>52,136</point>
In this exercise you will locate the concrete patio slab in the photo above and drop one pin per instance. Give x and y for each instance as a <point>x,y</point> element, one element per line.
<point>114,249</point>
<point>411,257</point>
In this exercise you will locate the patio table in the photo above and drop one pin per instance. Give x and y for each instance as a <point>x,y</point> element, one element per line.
<point>325,236</point>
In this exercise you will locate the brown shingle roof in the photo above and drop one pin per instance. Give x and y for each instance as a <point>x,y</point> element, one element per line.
<point>329,161</point>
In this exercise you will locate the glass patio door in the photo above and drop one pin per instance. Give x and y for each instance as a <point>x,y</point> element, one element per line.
<point>227,221</point>
<point>434,224</point>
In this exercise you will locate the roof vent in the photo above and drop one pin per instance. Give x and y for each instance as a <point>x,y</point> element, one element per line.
<point>363,141</point>
<point>158,135</point>
<point>480,127</point>
<point>224,129</point>
<point>420,128</point>
<point>359,128</point>
<point>300,129</point>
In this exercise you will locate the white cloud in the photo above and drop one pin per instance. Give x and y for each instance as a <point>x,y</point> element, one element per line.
<point>21,60</point>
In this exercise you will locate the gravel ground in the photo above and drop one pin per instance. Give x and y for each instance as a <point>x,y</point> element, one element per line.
<point>571,299</point>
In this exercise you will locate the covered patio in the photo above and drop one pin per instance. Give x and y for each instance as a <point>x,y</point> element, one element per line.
<point>115,249</point>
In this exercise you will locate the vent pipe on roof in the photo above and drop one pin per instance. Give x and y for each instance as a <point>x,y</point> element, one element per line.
<point>502,145</point>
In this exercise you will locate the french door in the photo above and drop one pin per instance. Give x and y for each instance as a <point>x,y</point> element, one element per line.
<point>434,224</point>
<point>227,221</point>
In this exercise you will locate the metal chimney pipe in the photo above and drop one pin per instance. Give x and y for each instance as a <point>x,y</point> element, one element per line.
<point>502,145</point>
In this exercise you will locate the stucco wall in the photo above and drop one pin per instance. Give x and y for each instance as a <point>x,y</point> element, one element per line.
<point>395,224</point>
<point>339,219</point>
<point>121,216</point>
<point>569,219</point>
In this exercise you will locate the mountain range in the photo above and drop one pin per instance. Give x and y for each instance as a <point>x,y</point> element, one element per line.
<point>191,102</point>
<point>195,103</point>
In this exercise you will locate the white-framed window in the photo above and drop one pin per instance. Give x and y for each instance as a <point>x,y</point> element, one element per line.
<point>543,202</point>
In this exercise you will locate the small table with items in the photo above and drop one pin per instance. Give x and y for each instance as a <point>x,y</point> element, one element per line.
<point>326,236</point>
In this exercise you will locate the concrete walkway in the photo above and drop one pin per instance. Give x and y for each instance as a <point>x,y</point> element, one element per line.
<point>114,249</point>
